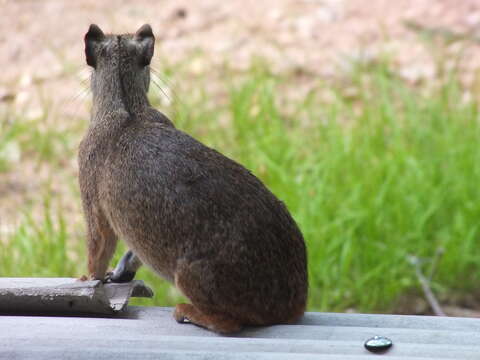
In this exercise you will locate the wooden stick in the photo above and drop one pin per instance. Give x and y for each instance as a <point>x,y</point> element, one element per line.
<point>432,300</point>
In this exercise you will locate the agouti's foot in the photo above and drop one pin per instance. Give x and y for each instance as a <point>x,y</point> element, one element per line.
<point>187,313</point>
<point>119,277</point>
<point>180,316</point>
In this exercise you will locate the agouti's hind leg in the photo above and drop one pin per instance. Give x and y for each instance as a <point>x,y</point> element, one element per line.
<point>217,323</point>
<point>193,279</point>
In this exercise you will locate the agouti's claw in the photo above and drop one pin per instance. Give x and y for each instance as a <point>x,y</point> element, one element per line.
<point>182,320</point>
<point>108,277</point>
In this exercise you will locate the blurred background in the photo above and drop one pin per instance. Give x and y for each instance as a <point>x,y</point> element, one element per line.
<point>362,116</point>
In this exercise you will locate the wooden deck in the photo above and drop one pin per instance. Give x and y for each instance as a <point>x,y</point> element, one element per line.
<point>151,333</point>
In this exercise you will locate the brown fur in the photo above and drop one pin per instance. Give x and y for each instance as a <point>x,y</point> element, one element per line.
<point>197,218</point>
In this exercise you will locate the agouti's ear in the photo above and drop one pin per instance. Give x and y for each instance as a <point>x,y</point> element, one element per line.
<point>93,36</point>
<point>146,40</point>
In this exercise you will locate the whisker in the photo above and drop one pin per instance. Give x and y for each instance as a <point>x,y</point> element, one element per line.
<point>161,89</point>
<point>76,100</point>
<point>84,82</point>
<point>164,79</point>
<point>161,75</point>
<point>84,77</point>
<point>80,94</point>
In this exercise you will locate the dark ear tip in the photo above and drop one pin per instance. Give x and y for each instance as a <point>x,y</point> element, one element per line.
<point>144,31</point>
<point>94,32</point>
<point>93,28</point>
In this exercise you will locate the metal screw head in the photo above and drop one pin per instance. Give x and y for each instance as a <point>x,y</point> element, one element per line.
<point>378,344</point>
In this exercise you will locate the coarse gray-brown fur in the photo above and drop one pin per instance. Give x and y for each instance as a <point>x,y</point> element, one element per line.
<point>195,217</point>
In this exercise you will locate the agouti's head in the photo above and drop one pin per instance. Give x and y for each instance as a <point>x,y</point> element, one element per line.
<point>124,57</point>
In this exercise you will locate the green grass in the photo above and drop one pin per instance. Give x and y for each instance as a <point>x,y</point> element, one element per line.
<point>371,179</point>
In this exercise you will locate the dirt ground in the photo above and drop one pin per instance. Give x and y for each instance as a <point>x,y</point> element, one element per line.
<point>42,41</point>
<point>42,61</point>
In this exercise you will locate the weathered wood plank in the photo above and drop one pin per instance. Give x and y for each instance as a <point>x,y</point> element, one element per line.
<point>163,326</point>
<point>155,354</point>
<point>199,344</point>
<point>347,320</point>
<point>144,333</point>
<point>66,295</point>
<point>392,321</point>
